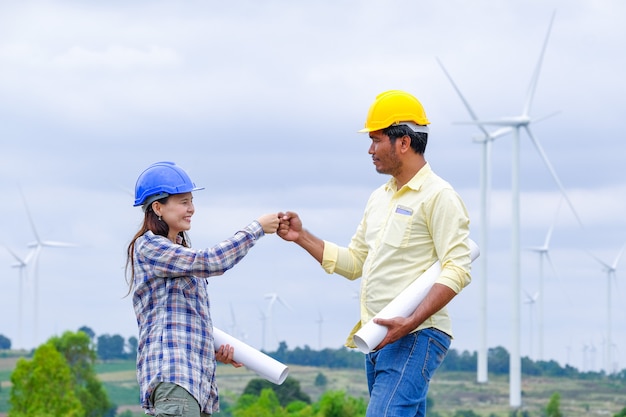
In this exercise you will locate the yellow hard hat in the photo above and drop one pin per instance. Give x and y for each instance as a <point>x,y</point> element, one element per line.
<point>391,107</point>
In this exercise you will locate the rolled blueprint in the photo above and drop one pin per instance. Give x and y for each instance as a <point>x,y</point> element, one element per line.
<point>255,360</point>
<point>405,303</point>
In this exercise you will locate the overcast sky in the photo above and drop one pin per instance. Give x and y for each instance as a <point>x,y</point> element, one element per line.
<point>260,102</point>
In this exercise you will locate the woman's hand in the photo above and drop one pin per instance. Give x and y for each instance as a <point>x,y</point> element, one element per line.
<point>225,354</point>
<point>269,222</point>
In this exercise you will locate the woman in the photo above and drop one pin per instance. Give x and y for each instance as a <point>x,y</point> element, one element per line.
<point>176,357</point>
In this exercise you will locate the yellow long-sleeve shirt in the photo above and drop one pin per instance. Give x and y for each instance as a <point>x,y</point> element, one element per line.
<point>402,234</point>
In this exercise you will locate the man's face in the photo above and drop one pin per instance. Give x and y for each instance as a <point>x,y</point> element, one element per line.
<point>384,154</point>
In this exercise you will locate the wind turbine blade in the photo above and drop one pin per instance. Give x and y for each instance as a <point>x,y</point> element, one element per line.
<point>541,119</point>
<point>540,249</point>
<point>30,218</point>
<point>551,264</point>
<point>600,261</point>
<point>493,135</point>
<point>546,243</point>
<point>20,262</point>
<point>54,244</point>
<point>528,297</point>
<point>617,258</point>
<point>535,77</point>
<point>232,313</point>
<point>280,300</point>
<point>465,102</point>
<point>546,161</point>
<point>508,122</point>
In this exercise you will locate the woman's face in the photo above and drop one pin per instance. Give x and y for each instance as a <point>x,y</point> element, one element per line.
<point>176,212</point>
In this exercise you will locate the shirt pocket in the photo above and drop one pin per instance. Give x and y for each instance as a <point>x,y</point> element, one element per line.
<point>398,228</point>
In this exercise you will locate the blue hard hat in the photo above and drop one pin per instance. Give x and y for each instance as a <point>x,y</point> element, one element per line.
<point>160,180</point>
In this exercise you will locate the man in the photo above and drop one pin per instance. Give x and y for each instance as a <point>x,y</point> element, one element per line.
<point>409,223</point>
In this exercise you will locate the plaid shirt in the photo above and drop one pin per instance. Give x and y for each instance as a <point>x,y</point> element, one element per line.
<point>171,303</point>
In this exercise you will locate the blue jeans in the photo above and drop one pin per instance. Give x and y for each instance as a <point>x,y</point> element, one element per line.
<point>398,375</point>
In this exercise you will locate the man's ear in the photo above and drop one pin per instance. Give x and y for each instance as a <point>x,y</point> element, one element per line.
<point>405,142</point>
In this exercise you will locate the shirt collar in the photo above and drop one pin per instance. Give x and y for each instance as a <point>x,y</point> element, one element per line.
<point>414,183</point>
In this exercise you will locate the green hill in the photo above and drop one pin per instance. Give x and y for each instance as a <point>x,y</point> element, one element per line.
<point>450,391</point>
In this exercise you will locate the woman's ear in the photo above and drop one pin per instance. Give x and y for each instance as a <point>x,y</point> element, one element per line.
<point>156,207</point>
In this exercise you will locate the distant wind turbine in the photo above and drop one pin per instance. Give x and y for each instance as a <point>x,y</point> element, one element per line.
<point>610,274</point>
<point>36,247</point>
<point>21,264</point>
<point>273,297</point>
<point>234,330</point>
<point>543,252</point>
<point>531,300</point>
<point>263,318</point>
<point>319,322</point>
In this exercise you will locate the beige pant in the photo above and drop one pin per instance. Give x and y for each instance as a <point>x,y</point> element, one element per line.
<point>171,400</point>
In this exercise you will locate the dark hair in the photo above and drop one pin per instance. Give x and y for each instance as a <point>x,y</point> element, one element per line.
<point>153,223</point>
<point>418,139</point>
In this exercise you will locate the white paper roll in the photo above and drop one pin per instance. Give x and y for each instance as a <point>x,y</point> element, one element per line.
<point>255,360</point>
<point>371,334</point>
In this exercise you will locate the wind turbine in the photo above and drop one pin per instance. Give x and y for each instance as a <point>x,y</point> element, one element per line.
<point>273,297</point>
<point>610,274</point>
<point>543,252</point>
<point>263,326</point>
<point>21,264</point>
<point>517,123</point>
<point>485,186</point>
<point>36,247</point>
<point>234,330</point>
<point>319,322</point>
<point>531,300</point>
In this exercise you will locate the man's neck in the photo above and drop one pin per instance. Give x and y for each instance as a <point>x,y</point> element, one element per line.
<point>406,174</point>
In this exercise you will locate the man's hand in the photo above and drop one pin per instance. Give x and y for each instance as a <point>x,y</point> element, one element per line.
<point>290,226</point>
<point>397,328</point>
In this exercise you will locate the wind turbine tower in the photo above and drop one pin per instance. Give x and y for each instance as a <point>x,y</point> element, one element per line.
<point>485,186</point>
<point>319,322</point>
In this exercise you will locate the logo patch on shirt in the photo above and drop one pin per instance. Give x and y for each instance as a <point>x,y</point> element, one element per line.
<point>407,211</point>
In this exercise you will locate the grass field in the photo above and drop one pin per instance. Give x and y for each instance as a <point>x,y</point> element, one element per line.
<point>450,391</point>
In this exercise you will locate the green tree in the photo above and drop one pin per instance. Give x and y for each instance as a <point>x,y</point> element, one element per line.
<point>320,380</point>
<point>621,413</point>
<point>337,404</point>
<point>44,386</point>
<point>465,413</point>
<point>498,360</point>
<point>5,342</point>
<point>110,347</point>
<point>287,392</point>
<point>553,407</point>
<point>77,350</point>
<point>264,405</point>
<point>89,332</point>
<point>132,344</point>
